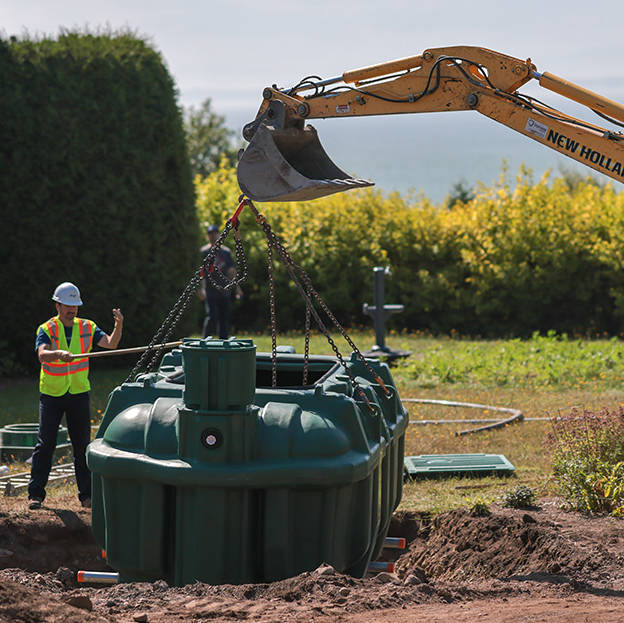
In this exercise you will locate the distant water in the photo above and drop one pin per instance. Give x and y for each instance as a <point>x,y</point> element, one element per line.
<point>429,153</point>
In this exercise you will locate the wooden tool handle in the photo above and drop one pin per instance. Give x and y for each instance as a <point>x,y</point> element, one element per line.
<point>125,351</point>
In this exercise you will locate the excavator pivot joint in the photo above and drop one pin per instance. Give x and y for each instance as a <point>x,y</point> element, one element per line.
<point>472,100</point>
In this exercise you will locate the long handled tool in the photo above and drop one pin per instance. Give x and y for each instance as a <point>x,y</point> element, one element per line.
<point>126,351</point>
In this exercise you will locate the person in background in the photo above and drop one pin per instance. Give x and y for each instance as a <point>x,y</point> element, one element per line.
<point>216,301</point>
<point>64,388</point>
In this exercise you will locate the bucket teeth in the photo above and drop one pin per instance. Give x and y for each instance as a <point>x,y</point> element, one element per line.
<point>290,165</point>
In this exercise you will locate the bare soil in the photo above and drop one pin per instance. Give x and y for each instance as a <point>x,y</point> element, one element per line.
<point>541,564</point>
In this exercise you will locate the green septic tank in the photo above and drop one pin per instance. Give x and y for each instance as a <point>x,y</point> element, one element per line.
<point>203,472</point>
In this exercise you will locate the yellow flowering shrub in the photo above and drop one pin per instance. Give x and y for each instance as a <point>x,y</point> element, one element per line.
<point>511,261</point>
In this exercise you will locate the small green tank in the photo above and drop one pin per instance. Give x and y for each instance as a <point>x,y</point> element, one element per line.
<point>17,441</point>
<point>203,472</point>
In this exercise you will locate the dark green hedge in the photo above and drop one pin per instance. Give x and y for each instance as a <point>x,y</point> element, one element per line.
<point>95,186</point>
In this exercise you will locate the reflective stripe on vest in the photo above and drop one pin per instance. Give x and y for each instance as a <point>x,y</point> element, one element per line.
<point>77,365</point>
<point>58,377</point>
<point>54,334</point>
<point>86,335</point>
<point>62,369</point>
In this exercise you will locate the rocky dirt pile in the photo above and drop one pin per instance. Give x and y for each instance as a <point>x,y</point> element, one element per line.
<point>516,545</point>
<point>454,559</point>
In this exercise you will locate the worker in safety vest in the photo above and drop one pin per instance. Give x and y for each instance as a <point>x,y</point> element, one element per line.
<point>64,387</point>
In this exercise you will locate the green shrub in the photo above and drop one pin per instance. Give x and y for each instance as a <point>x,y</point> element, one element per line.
<point>588,459</point>
<point>521,497</point>
<point>95,184</point>
<point>538,257</point>
<point>479,507</point>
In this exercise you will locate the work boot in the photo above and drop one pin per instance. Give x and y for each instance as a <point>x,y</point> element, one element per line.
<point>86,503</point>
<point>35,503</point>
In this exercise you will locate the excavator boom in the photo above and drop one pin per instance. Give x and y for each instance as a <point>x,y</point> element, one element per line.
<point>285,161</point>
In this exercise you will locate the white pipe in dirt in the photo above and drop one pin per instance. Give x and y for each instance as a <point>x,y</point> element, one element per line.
<point>376,565</point>
<point>396,542</point>
<point>98,577</point>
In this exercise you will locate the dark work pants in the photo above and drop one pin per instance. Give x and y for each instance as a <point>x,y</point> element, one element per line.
<point>78,416</point>
<point>217,321</point>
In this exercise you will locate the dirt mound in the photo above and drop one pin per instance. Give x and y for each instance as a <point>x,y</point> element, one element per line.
<point>517,545</point>
<point>514,559</point>
<point>19,604</point>
<point>44,541</point>
<point>321,591</point>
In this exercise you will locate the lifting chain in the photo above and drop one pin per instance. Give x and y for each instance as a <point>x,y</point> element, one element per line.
<point>273,318</point>
<point>306,352</point>
<point>241,268</point>
<point>296,274</point>
<point>149,359</point>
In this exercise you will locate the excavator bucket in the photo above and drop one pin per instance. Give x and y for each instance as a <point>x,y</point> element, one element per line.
<point>290,165</point>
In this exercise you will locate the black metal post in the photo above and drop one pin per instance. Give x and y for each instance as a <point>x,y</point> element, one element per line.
<point>380,311</point>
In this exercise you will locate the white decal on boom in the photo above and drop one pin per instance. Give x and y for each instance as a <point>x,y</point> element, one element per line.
<point>535,127</point>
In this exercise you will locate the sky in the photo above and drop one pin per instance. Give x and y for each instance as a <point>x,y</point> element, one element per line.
<point>230,50</point>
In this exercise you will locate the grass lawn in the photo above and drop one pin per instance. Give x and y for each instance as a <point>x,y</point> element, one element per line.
<point>542,376</point>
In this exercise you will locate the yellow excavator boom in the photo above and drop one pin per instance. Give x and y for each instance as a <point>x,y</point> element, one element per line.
<point>285,161</point>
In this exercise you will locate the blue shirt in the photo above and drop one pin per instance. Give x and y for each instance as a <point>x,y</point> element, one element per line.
<point>42,337</point>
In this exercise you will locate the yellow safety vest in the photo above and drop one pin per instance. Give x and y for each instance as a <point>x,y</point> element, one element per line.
<point>58,377</point>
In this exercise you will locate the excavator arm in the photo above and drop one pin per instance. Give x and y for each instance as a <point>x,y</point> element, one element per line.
<point>285,161</point>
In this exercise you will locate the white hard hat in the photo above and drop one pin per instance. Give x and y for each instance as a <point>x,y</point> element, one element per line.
<point>67,294</point>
